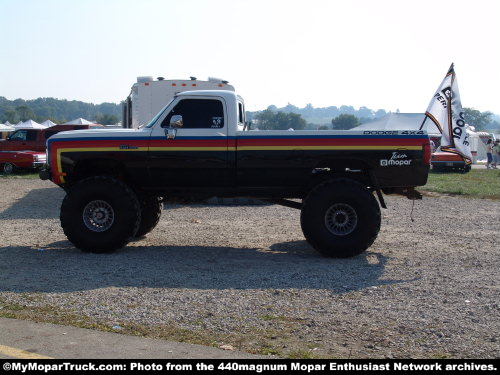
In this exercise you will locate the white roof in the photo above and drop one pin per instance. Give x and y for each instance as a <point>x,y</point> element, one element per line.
<point>6,128</point>
<point>400,121</point>
<point>48,123</point>
<point>79,121</point>
<point>8,124</point>
<point>226,94</point>
<point>30,124</point>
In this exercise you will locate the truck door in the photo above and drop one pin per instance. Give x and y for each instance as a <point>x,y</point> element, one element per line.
<point>189,148</point>
<point>22,140</point>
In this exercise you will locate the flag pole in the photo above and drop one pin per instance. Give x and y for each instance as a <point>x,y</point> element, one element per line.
<point>423,122</point>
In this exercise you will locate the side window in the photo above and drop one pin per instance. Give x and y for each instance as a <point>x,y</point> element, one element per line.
<point>241,114</point>
<point>198,114</point>
<point>19,135</point>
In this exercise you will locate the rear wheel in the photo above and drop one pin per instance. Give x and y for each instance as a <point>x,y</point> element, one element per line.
<point>150,214</point>
<point>100,214</point>
<point>340,218</point>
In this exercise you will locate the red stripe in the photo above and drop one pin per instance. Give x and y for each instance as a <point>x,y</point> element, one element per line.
<point>330,142</point>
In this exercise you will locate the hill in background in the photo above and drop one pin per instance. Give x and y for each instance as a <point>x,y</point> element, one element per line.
<point>324,115</point>
<point>62,110</point>
<point>57,110</point>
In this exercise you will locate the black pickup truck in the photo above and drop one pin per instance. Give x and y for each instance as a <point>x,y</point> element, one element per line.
<point>198,147</point>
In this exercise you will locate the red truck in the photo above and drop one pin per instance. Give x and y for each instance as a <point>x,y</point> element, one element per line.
<point>12,160</point>
<point>35,139</point>
<point>449,162</point>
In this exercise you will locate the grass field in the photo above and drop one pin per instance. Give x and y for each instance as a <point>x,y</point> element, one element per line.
<point>20,175</point>
<point>478,183</point>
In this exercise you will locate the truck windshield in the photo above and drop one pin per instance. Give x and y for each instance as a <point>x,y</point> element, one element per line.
<point>152,122</point>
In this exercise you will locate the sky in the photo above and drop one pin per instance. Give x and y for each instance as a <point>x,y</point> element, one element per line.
<point>380,54</point>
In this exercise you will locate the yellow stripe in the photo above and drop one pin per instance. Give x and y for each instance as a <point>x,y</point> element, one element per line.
<point>188,148</point>
<point>256,148</point>
<point>19,353</point>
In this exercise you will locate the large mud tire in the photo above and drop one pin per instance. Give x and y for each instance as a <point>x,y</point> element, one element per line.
<point>340,218</point>
<point>100,214</point>
<point>150,214</point>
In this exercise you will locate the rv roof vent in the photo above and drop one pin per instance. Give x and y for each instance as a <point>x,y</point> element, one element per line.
<point>192,78</point>
<point>214,79</point>
<point>143,79</point>
<point>160,78</point>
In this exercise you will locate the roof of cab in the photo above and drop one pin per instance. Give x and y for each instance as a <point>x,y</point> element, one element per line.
<point>226,94</point>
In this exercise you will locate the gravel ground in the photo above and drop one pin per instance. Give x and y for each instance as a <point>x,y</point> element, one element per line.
<point>428,288</point>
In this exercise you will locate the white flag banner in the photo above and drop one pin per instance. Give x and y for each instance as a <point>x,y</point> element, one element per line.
<point>445,110</point>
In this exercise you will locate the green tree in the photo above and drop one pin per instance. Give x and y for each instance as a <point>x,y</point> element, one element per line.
<point>271,120</point>
<point>25,113</point>
<point>11,116</point>
<point>106,119</point>
<point>480,120</point>
<point>345,122</point>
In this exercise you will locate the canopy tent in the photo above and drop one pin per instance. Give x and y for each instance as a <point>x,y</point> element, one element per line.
<point>8,124</point>
<point>30,124</point>
<point>79,121</point>
<point>400,121</point>
<point>48,123</point>
<point>6,128</point>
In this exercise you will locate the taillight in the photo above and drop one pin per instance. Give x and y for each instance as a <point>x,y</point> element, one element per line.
<point>427,152</point>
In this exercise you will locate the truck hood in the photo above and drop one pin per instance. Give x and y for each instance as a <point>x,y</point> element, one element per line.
<point>89,133</point>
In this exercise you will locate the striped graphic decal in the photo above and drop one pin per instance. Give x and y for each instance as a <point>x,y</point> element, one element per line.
<point>60,146</point>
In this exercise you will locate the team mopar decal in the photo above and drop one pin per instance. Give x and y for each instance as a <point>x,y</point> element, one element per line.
<point>60,146</point>
<point>396,159</point>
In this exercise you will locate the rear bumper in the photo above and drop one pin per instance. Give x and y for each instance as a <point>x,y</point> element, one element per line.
<point>445,163</point>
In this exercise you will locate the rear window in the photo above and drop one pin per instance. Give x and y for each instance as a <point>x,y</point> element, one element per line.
<point>241,113</point>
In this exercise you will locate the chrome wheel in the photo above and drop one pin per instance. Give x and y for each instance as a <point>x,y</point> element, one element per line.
<point>98,216</point>
<point>341,219</point>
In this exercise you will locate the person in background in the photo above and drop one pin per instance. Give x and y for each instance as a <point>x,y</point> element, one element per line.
<point>433,146</point>
<point>496,154</point>
<point>489,153</point>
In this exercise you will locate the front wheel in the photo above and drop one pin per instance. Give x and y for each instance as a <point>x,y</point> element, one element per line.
<point>100,214</point>
<point>340,218</point>
<point>8,168</point>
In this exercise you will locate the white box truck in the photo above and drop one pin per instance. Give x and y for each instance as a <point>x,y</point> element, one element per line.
<point>148,96</point>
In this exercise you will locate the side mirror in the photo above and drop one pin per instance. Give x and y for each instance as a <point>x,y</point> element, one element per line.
<point>176,121</point>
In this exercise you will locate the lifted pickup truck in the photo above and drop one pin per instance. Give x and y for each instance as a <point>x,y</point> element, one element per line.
<point>198,146</point>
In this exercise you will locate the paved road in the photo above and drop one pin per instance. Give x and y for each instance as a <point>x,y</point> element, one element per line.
<point>29,340</point>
